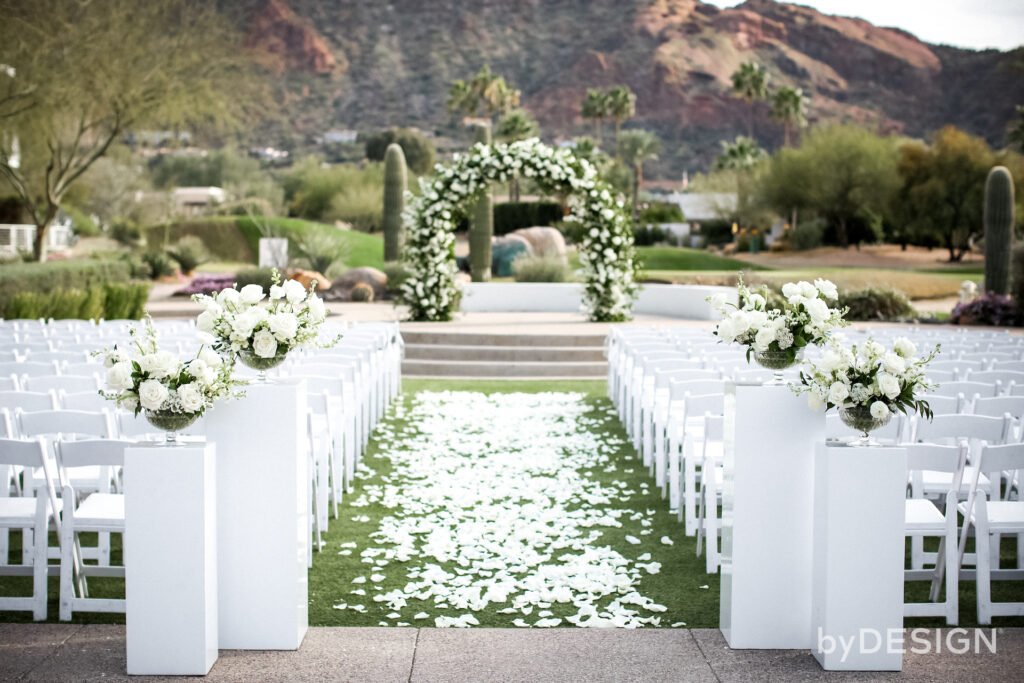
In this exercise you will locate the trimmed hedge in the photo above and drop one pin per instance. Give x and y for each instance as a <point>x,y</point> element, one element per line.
<point>877,303</point>
<point>112,301</point>
<point>42,278</point>
<point>509,216</point>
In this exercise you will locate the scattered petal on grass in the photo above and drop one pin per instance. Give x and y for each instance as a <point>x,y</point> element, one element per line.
<point>665,540</point>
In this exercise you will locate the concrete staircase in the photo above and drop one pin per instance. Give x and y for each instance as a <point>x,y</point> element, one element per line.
<point>454,354</point>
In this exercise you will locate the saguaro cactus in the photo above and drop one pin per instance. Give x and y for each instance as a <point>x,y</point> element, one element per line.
<point>481,226</point>
<point>998,217</point>
<point>394,201</point>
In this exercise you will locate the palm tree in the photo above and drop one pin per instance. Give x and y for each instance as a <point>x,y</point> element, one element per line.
<point>635,147</point>
<point>486,90</point>
<point>595,106</point>
<point>740,154</point>
<point>516,125</point>
<point>621,106</point>
<point>750,82</point>
<point>789,107</point>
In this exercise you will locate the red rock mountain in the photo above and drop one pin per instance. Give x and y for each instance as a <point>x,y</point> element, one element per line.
<point>390,62</point>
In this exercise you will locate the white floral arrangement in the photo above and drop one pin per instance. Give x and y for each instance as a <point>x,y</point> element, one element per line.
<point>234,322</point>
<point>806,318</point>
<point>869,376</point>
<point>149,379</point>
<point>607,254</point>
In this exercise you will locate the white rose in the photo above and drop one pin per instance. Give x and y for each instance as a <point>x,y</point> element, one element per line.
<point>764,337</point>
<point>717,301</point>
<point>830,361</point>
<point>264,345</point>
<point>276,292</point>
<point>726,331</point>
<point>251,294</point>
<point>294,291</point>
<point>190,398</point>
<point>888,385</point>
<point>827,289</point>
<point>807,289</point>
<point>818,310</point>
<point>210,357</point>
<point>814,401</point>
<point>204,374</point>
<point>790,290</point>
<point>210,304</point>
<point>283,325</point>
<point>893,363</point>
<point>152,394</point>
<point>837,393</point>
<point>904,347</point>
<point>119,377</point>
<point>879,410</point>
<point>229,296</point>
<point>160,364</point>
<point>317,310</point>
<point>243,324</point>
<point>206,321</point>
<point>129,403</point>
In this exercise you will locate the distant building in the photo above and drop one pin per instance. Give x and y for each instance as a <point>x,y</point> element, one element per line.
<point>270,154</point>
<point>194,201</point>
<point>337,136</point>
<point>699,207</point>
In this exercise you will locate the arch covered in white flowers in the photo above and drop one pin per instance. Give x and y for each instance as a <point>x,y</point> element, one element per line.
<point>607,255</point>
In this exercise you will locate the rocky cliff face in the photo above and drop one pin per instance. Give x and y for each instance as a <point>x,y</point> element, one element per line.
<point>390,63</point>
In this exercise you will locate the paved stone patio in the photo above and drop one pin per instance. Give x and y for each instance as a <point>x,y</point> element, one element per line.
<point>57,652</point>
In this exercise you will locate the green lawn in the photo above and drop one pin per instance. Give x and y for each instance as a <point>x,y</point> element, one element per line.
<point>682,258</point>
<point>362,249</point>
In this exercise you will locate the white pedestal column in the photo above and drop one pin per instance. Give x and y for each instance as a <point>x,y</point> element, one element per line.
<point>857,603</point>
<point>767,505</point>
<point>263,508</point>
<point>170,559</point>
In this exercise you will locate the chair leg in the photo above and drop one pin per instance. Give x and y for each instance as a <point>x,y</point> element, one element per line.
<point>689,501</point>
<point>67,569</point>
<point>700,525</point>
<point>40,568</point>
<point>4,546</point>
<point>984,582</point>
<point>917,552</point>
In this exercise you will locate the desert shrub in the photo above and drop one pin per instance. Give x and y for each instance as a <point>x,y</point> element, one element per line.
<point>255,276</point>
<point>1017,280</point>
<point>358,205</point>
<point>397,274</point>
<point>509,216</point>
<point>361,292</point>
<point>991,309</point>
<point>320,250</point>
<point>572,232</point>
<point>126,232</point>
<point>647,235</point>
<point>539,269</point>
<point>807,235</point>
<point>876,303</point>
<point>159,264</point>
<point>662,212</point>
<point>189,252</point>
<point>340,192</point>
<point>53,275</point>
<point>419,151</point>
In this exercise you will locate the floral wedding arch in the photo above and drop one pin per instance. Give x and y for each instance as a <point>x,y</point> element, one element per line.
<point>607,255</point>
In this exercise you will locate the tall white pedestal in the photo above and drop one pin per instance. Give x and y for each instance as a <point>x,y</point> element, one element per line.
<point>170,559</point>
<point>263,508</point>
<point>857,603</point>
<point>767,505</point>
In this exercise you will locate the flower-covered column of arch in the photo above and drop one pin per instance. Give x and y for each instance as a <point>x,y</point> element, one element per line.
<point>607,255</point>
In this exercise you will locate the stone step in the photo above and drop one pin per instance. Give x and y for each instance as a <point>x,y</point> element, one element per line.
<point>424,337</point>
<point>458,368</point>
<point>495,354</point>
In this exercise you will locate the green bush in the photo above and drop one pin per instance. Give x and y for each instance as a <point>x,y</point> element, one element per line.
<point>876,303</point>
<point>125,301</point>
<point>715,232</point>
<point>53,275</point>
<point>572,232</point>
<point>1017,280</point>
<point>509,216</point>
<point>126,232</point>
<point>189,252</point>
<point>807,235</point>
<point>110,301</point>
<point>255,276</point>
<point>397,274</point>
<point>539,269</point>
<point>647,235</point>
<point>321,250</point>
<point>341,192</point>
<point>419,152</point>
<point>159,264</point>
<point>662,212</point>
<point>82,225</point>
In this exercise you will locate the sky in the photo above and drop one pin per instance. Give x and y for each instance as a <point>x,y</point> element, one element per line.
<point>977,24</point>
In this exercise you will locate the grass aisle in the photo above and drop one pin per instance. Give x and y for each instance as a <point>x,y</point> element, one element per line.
<point>507,509</point>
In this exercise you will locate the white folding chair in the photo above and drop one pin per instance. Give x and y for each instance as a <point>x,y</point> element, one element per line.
<point>27,400</point>
<point>91,401</point>
<point>101,512</point>
<point>68,383</point>
<point>9,383</point>
<point>993,519</point>
<point>927,518</point>
<point>690,456</point>
<point>28,369</point>
<point>711,490</point>
<point>33,515</point>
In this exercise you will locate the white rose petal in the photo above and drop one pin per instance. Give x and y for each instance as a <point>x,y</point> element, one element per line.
<point>152,394</point>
